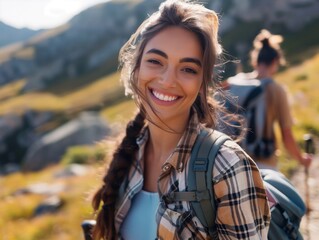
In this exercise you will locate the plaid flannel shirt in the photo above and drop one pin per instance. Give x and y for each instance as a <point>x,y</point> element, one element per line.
<point>242,207</point>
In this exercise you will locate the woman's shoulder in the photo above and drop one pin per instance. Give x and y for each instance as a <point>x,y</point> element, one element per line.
<point>276,87</point>
<point>230,157</point>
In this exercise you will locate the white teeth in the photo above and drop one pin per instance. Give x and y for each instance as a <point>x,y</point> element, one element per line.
<point>164,97</point>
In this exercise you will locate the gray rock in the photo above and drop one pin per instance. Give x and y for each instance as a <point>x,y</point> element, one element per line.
<point>49,205</point>
<point>88,128</point>
<point>41,188</point>
<point>71,170</point>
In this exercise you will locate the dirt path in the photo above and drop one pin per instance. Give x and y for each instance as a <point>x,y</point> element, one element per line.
<point>310,223</point>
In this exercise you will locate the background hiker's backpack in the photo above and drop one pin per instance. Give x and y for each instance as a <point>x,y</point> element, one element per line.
<point>248,98</point>
<point>286,205</point>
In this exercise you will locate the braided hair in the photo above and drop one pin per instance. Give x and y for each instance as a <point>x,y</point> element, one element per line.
<point>118,170</point>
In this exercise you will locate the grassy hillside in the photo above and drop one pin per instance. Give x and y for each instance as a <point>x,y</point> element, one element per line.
<point>301,82</point>
<point>303,85</point>
<point>16,220</point>
<point>101,92</point>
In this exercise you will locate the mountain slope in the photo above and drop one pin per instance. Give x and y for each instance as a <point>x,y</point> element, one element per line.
<point>91,40</point>
<point>10,35</point>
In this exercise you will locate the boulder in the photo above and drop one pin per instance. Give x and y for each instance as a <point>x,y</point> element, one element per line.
<point>48,206</point>
<point>87,129</point>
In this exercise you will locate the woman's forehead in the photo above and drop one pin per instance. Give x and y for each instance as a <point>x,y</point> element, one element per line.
<point>176,41</point>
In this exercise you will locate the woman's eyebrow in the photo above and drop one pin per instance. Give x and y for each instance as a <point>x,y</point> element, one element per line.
<point>187,59</point>
<point>157,51</point>
<point>192,60</point>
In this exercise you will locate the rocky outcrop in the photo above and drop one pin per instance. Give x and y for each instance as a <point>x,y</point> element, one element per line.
<point>88,128</point>
<point>291,14</point>
<point>17,133</point>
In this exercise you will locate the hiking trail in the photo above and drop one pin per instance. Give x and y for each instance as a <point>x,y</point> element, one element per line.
<point>310,222</point>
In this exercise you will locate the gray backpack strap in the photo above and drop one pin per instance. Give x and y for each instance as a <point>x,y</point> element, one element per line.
<point>200,192</point>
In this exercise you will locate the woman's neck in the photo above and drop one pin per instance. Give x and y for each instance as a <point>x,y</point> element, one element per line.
<point>263,73</point>
<point>161,142</point>
<point>159,148</point>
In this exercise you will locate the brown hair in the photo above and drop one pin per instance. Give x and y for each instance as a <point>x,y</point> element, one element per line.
<point>267,49</point>
<point>193,17</point>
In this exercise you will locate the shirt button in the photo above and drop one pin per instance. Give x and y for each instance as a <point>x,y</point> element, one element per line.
<point>166,167</point>
<point>181,165</point>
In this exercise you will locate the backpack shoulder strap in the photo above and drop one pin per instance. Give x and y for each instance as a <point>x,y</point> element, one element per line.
<point>200,192</point>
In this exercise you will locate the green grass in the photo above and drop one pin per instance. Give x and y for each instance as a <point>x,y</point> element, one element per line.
<point>121,112</point>
<point>83,155</point>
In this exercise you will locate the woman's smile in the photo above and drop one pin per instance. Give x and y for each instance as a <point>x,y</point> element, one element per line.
<point>163,97</point>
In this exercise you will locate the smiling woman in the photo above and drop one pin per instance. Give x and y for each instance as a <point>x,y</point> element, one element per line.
<point>41,14</point>
<point>167,67</point>
<point>170,77</point>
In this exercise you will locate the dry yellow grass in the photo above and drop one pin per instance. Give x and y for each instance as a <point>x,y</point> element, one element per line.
<point>17,221</point>
<point>39,101</point>
<point>101,93</point>
<point>25,53</point>
<point>303,85</point>
<point>11,90</point>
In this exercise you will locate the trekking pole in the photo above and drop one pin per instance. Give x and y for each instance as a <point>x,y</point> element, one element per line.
<point>309,148</point>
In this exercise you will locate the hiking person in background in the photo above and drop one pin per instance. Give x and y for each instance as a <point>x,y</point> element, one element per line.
<point>167,67</point>
<point>266,58</point>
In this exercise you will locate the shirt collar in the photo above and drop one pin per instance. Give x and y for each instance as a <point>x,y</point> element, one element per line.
<point>181,153</point>
<point>183,150</point>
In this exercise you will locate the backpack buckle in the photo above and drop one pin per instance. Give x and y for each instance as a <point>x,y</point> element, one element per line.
<point>202,195</point>
<point>290,228</point>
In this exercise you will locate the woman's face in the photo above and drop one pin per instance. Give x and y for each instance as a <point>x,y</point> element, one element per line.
<point>170,76</point>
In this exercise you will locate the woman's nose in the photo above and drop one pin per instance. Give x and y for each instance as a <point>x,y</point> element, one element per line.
<point>168,78</point>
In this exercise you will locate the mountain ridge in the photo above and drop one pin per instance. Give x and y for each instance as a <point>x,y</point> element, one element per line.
<point>94,36</point>
<point>11,35</point>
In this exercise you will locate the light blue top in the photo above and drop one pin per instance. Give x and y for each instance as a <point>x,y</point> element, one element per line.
<point>140,222</point>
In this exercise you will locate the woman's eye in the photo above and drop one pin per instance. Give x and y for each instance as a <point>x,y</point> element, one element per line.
<point>189,70</point>
<point>153,61</point>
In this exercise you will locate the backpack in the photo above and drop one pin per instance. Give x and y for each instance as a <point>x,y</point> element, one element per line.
<point>286,205</point>
<point>250,102</point>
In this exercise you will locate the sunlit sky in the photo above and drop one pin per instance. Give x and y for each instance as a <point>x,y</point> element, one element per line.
<point>38,14</point>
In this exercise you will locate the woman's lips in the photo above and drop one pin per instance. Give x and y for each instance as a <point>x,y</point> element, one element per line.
<point>163,97</point>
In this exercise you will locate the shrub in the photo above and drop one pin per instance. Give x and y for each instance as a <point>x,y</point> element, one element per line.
<point>83,155</point>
